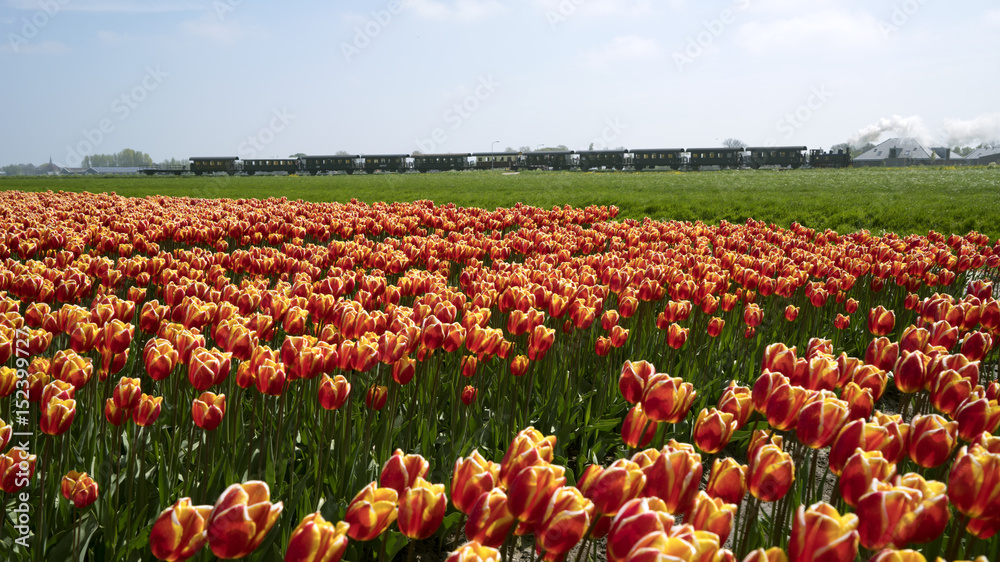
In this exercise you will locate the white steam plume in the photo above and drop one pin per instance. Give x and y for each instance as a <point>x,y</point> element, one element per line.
<point>912,126</point>
<point>983,128</point>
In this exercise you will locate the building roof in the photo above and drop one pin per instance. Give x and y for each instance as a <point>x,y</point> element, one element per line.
<point>980,152</point>
<point>909,148</point>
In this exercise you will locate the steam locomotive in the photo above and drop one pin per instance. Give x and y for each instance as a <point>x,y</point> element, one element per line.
<point>694,159</point>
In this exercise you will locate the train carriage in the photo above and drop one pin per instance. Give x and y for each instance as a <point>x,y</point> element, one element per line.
<point>831,159</point>
<point>724,158</point>
<point>548,160</point>
<point>384,163</point>
<point>603,159</point>
<point>424,163</point>
<point>271,165</point>
<point>781,156</point>
<point>497,160</point>
<point>213,165</point>
<point>649,158</point>
<point>313,165</point>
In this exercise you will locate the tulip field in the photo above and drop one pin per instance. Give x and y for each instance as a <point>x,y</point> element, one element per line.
<point>279,379</point>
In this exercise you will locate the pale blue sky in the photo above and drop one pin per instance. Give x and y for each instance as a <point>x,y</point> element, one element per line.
<point>241,77</point>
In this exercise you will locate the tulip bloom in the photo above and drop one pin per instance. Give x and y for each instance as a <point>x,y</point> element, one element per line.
<point>127,393</point>
<point>79,488</point>
<point>371,512</point>
<point>317,540</point>
<point>472,551</point>
<point>974,483</point>
<point>57,415</point>
<point>932,440</point>
<point>712,514</point>
<point>674,476</point>
<point>821,533</point>
<point>529,493</point>
<point>861,469</point>
<point>727,481</point>
<point>713,430</point>
<point>635,520</point>
<point>147,411</point>
<point>421,509</point>
<point>892,555</point>
<point>333,392</point>
<point>115,415</point>
<point>773,554</point>
<point>564,524</point>
<point>676,336</point>
<point>610,488</point>
<point>13,475</point>
<point>737,400</point>
<point>637,429</point>
<point>208,409</point>
<point>208,367</point>
<point>240,519</point>
<point>667,399</point>
<point>715,326</point>
<point>490,519</point>
<point>468,395</point>
<point>791,313</point>
<point>785,405</point>
<point>472,477</point>
<point>376,397</point>
<point>160,358</point>
<point>633,379</point>
<point>770,473</point>
<point>179,531</point>
<point>528,448</point>
<point>881,321</point>
<point>820,421</point>
<point>401,471</point>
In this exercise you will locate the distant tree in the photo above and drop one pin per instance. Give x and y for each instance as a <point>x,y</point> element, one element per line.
<point>591,147</point>
<point>20,170</point>
<point>173,162</point>
<point>340,153</point>
<point>963,151</point>
<point>734,143</point>
<point>524,149</point>
<point>416,153</point>
<point>509,149</point>
<point>859,150</point>
<point>556,148</point>
<point>127,157</point>
<point>297,155</point>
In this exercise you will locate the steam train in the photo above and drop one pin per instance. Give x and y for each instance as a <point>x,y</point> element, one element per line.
<point>694,159</point>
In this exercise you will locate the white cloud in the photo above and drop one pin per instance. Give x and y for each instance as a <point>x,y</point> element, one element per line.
<point>627,48</point>
<point>125,6</point>
<point>821,31</point>
<point>35,48</point>
<point>461,10</point>
<point>970,132</point>
<point>992,17</point>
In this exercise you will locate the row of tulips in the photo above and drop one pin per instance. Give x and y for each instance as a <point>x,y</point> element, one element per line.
<point>457,326</point>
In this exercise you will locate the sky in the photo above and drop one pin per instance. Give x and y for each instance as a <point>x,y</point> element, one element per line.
<point>182,78</point>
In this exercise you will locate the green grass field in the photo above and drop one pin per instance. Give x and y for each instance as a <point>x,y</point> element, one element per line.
<point>911,200</point>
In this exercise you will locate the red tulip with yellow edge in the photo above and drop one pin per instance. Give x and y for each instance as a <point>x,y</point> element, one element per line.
<point>983,528</point>
<point>633,379</point>
<point>715,326</point>
<point>881,321</point>
<point>842,322</point>
<point>317,540</point>
<point>6,431</point>
<point>117,336</point>
<point>820,421</point>
<point>785,405</point>
<point>472,551</point>
<point>469,365</point>
<point>115,415</point>
<point>859,400</point>
<point>676,336</point>
<point>949,390</point>
<point>401,471</point>
<point>667,399</point>
<point>930,512</point>
<point>269,376</point>
<point>882,353</point>
<point>791,313</point>
<point>8,381</point>
<point>127,393</point>
<point>519,365</point>
<point>159,358</point>
<point>333,392</point>
<point>892,555</point>
<point>635,520</point>
<point>914,339</point>
<point>240,519</point>
<point>773,554</point>
<point>602,347</point>
<point>57,415</point>
<point>764,387</point>
<point>861,469</point>
<point>610,488</point>
<point>179,531</point>
<point>208,367</point>
<point>83,337</point>
<point>637,429</point>
<point>565,523</point>
<point>472,477</point>
<point>910,372</point>
<point>376,397</point>
<point>371,512</point>
<point>974,483</point>
<point>13,474</point>
<point>975,416</point>
<point>421,509</point>
<point>79,488</point>
<point>713,430</point>
<point>69,367</point>
<point>529,492</point>
<point>822,533</point>
<point>727,481</point>
<point>490,520</point>
<point>148,410</point>
<point>932,439</point>
<point>712,514</point>
<point>872,378</point>
<point>737,401</point>
<point>779,359</point>
<point>57,389</point>
<point>673,476</point>
<point>528,448</point>
<point>208,410</point>
<point>770,473</point>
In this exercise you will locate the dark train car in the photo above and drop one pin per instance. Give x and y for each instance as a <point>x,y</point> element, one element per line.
<point>424,163</point>
<point>782,156</point>
<point>172,170</point>
<point>271,165</point>
<point>214,164</point>
<point>608,159</point>
<point>831,159</point>
<point>313,165</point>
<point>724,158</point>
<point>548,160</point>
<point>497,160</point>
<point>384,163</point>
<point>647,158</point>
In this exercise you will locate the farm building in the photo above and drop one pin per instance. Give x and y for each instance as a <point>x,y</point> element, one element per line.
<point>906,152</point>
<point>984,156</point>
